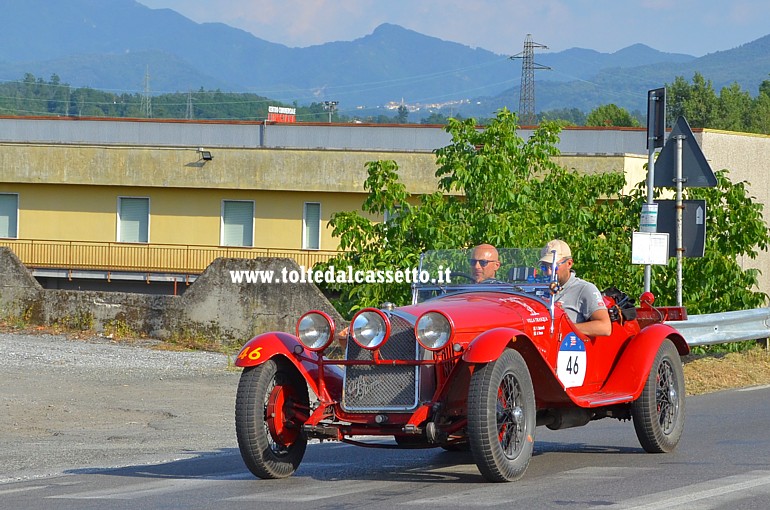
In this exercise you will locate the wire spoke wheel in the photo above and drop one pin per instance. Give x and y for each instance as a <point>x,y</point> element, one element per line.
<point>509,417</point>
<point>666,397</point>
<point>659,412</point>
<point>271,405</point>
<point>501,417</point>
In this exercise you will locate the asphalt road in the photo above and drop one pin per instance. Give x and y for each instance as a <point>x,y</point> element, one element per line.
<point>159,434</point>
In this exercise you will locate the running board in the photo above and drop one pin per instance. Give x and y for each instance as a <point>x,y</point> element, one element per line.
<point>602,398</point>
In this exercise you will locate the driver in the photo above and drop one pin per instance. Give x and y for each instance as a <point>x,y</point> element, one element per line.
<point>484,262</point>
<point>580,299</point>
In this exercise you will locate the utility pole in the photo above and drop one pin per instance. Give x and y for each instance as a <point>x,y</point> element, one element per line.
<point>527,115</point>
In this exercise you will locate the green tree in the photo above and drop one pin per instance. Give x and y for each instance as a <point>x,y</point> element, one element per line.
<point>403,115</point>
<point>611,115</point>
<point>764,87</point>
<point>698,102</point>
<point>495,187</point>
<point>759,117</point>
<point>733,109</point>
<point>434,118</point>
<point>564,116</point>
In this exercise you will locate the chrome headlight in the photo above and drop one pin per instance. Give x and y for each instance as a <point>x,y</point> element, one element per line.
<point>433,330</point>
<point>370,328</point>
<point>315,330</point>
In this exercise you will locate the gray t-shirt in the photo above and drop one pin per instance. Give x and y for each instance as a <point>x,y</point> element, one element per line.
<point>580,299</point>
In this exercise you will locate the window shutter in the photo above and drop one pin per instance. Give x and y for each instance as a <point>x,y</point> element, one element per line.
<point>312,234</point>
<point>237,223</point>
<point>134,217</point>
<point>9,209</point>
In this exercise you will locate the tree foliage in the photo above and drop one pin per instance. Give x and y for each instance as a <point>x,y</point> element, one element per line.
<point>733,109</point>
<point>611,115</point>
<point>493,186</point>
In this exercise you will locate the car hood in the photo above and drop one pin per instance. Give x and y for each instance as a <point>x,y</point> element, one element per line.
<point>479,311</point>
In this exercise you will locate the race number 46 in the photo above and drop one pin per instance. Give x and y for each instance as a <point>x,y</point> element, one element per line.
<point>571,362</point>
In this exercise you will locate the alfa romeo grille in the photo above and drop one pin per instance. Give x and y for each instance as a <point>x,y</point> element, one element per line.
<point>383,387</point>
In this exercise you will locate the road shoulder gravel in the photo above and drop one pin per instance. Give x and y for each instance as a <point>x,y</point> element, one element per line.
<point>71,404</point>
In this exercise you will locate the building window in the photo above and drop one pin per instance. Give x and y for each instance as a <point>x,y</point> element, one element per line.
<point>311,226</point>
<point>237,223</point>
<point>133,219</point>
<point>392,213</point>
<point>9,215</point>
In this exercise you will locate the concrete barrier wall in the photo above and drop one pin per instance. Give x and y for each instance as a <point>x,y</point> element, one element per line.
<point>213,307</point>
<point>19,291</point>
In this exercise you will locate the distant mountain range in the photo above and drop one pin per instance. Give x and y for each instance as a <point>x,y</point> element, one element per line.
<point>114,44</point>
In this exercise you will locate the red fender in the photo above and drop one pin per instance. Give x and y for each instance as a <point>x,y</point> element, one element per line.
<point>266,346</point>
<point>635,362</point>
<point>489,345</point>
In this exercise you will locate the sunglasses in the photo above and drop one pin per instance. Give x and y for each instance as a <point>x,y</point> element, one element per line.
<point>545,267</point>
<point>481,262</point>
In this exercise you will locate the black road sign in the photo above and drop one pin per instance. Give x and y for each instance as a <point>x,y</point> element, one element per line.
<point>693,226</point>
<point>656,117</point>
<point>696,171</point>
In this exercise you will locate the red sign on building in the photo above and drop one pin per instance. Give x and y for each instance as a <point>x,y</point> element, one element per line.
<point>281,114</point>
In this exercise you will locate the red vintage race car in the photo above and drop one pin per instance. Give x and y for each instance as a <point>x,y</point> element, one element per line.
<point>467,365</point>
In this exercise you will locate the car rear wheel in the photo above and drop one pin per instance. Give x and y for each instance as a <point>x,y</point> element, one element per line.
<point>658,413</point>
<point>271,405</point>
<point>501,417</point>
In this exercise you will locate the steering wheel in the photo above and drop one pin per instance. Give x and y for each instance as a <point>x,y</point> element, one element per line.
<point>463,275</point>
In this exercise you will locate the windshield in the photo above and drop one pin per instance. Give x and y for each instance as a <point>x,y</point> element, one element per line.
<point>448,271</point>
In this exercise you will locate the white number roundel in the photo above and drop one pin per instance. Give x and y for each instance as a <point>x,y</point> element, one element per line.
<point>571,363</point>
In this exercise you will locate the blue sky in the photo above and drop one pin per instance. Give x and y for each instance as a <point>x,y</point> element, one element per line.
<point>695,27</point>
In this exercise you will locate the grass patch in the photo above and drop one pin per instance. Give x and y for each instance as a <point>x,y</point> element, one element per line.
<point>706,373</point>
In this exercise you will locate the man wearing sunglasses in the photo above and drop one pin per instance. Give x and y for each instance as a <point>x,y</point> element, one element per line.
<point>580,299</point>
<point>484,262</point>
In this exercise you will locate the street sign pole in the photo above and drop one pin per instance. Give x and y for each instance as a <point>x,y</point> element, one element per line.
<point>656,119</point>
<point>679,219</point>
<point>650,200</point>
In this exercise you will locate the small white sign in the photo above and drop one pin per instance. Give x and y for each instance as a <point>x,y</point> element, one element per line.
<point>649,248</point>
<point>649,219</point>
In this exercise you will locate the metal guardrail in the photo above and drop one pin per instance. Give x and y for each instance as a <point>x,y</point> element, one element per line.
<point>725,327</point>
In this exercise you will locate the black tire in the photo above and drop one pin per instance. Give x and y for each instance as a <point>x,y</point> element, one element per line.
<point>501,417</point>
<point>265,455</point>
<point>658,413</point>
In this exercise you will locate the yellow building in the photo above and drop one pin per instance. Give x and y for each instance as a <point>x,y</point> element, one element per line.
<point>92,199</point>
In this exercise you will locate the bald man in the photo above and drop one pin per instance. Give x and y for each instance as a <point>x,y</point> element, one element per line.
<point>484,262</point>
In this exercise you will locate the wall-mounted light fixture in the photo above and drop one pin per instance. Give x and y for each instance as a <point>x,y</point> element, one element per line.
<point>205,155</point>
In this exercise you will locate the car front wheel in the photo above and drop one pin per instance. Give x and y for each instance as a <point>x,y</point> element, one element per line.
<point>501,417</point>
<point>658,413</point>
<point>271,405</point>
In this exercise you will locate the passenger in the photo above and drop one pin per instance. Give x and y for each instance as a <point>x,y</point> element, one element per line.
<point>484,262</point>
<point>580,299</point>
